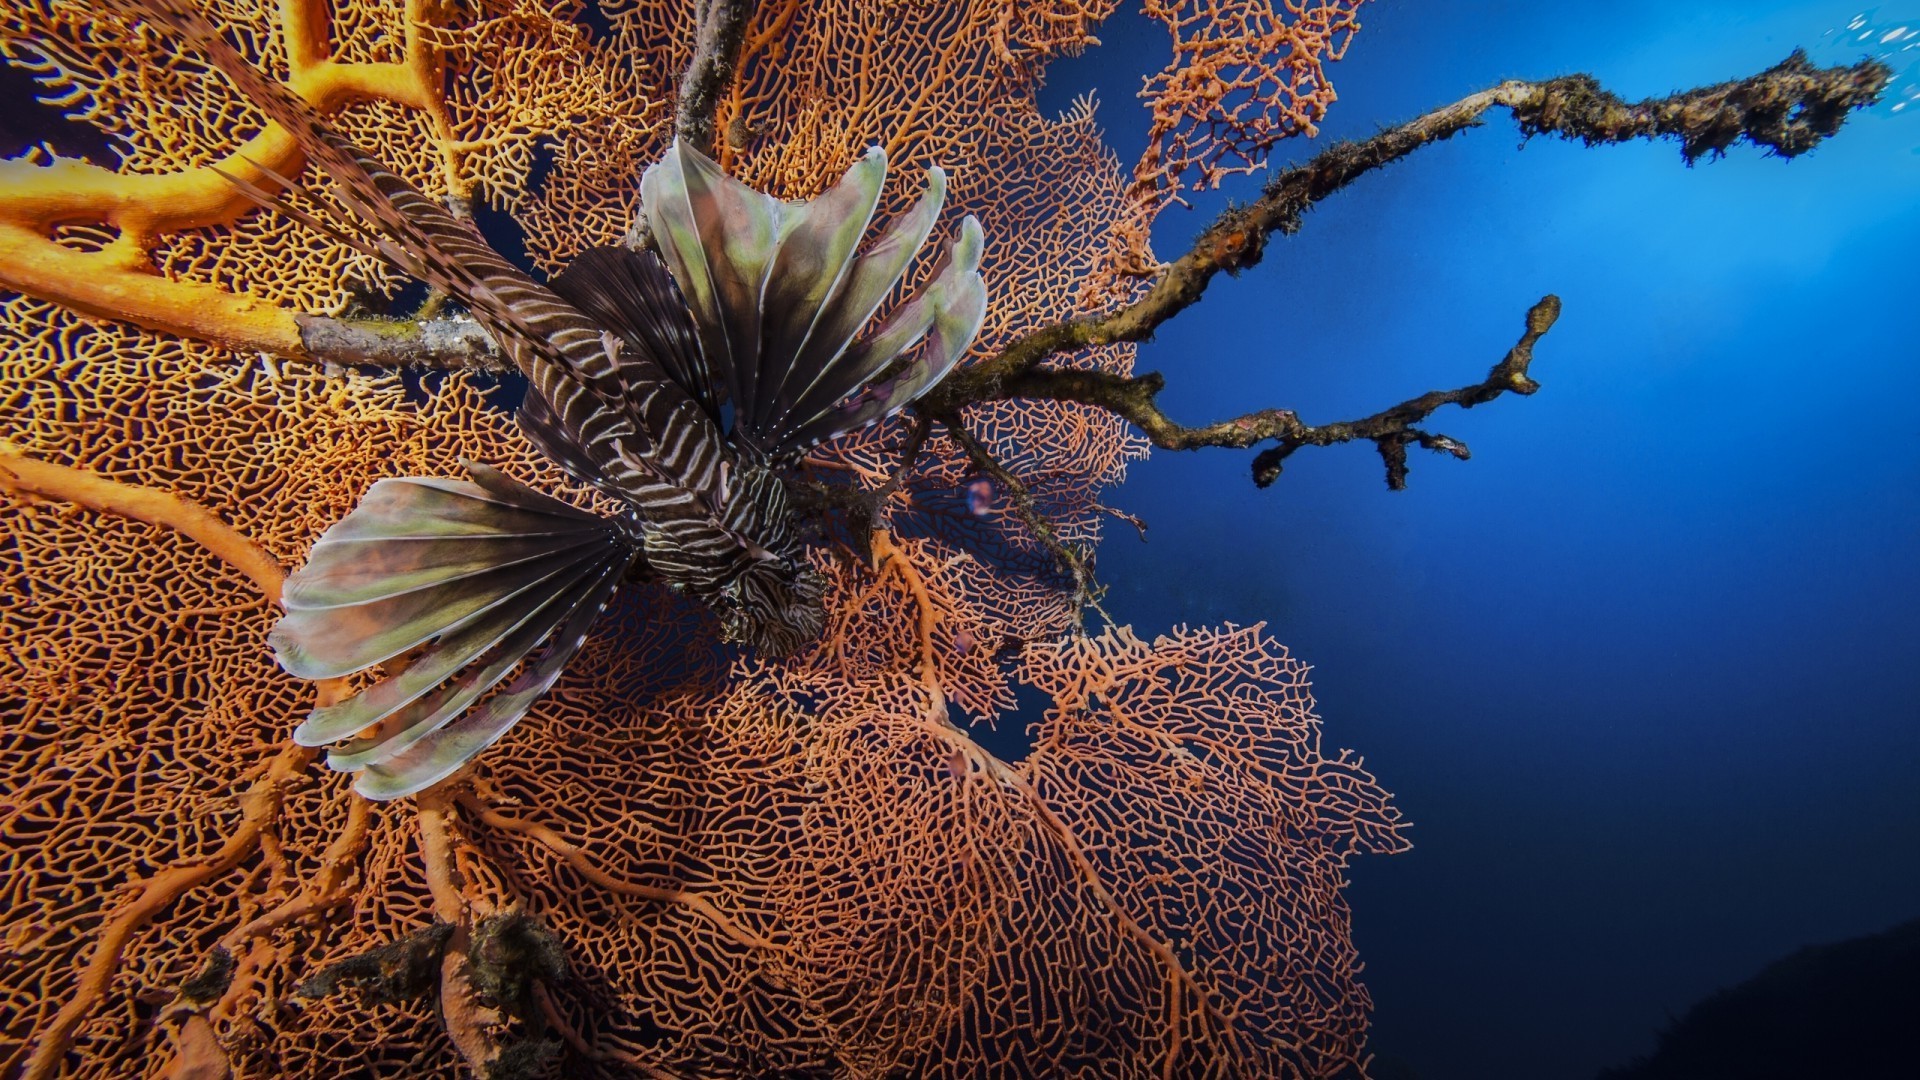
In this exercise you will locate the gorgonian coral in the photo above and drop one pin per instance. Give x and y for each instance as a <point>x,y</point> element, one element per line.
<point>752,866</point>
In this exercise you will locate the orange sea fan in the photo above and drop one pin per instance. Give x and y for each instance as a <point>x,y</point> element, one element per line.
<point>805,866</point>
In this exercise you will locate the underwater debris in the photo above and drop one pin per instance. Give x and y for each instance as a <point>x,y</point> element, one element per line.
<point>206,985</point>
<point>1786,110</point>
<point>509,952</point>
<point>505,955</point>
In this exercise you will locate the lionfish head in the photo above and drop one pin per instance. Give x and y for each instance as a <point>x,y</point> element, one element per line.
<point>773,605</point>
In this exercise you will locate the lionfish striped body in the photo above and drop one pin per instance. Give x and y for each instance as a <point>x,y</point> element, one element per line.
<point>630,358</point>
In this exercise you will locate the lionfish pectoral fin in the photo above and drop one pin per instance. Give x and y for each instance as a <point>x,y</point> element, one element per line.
<point>482,572</point>
<point>437,755</point>
<point>717,237</point>
<point>827,367</point>
<point>947,311</point>
<point>810,268</point>
<point>780,294</point>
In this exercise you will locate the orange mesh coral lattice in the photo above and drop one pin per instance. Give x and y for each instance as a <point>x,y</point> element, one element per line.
<point>1245,74</point>
<point>807,867</point>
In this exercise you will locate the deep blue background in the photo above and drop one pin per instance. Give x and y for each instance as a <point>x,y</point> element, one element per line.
<point>1644,672</point>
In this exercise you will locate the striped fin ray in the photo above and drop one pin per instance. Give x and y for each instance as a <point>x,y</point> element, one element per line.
<point>486,569</point>
<point>947,310</point>
<point>329,223</point>
<point>809,269</point>
<point>383,200</point>
<point>779,294</point>
<point>558,444</point>
<point>430,758</point>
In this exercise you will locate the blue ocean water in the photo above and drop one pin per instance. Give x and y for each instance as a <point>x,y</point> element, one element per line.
<point>1643,672</point>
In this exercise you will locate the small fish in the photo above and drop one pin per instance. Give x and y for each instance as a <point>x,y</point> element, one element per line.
<point>753,303</point>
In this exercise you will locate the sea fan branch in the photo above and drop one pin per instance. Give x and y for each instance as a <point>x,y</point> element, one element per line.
<point>260,804</point>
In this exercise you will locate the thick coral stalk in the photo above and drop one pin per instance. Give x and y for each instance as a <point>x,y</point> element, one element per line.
<point>586,868</point>
<point>25,475</point>
<point>475,1027</point>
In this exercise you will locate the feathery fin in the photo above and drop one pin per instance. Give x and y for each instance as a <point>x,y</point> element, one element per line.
<point>486,569</point>
<point>829,373</point>
<point>632,294</point>
<point>438,755</point>
<point>947,310</point>
<point>426,713</point>
<point>808,270</point>
<point>432,670</point>
<point>778,295</point>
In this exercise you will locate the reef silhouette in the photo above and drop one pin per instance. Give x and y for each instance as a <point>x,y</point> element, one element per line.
<point>1844,1009</point>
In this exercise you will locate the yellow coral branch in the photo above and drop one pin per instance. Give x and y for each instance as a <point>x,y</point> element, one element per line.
<point>98,284</point>
<point>119,281</point>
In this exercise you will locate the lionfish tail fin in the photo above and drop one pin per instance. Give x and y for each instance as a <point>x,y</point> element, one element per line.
<point>477,575</point>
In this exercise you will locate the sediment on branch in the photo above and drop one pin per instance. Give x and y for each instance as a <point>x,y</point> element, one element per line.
<point>1787,110</point>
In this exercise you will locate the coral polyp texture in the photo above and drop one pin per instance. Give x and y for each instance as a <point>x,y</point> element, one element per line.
<point>687,861</point>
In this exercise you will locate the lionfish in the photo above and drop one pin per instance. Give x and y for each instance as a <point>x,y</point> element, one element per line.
<point>681,385</point>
